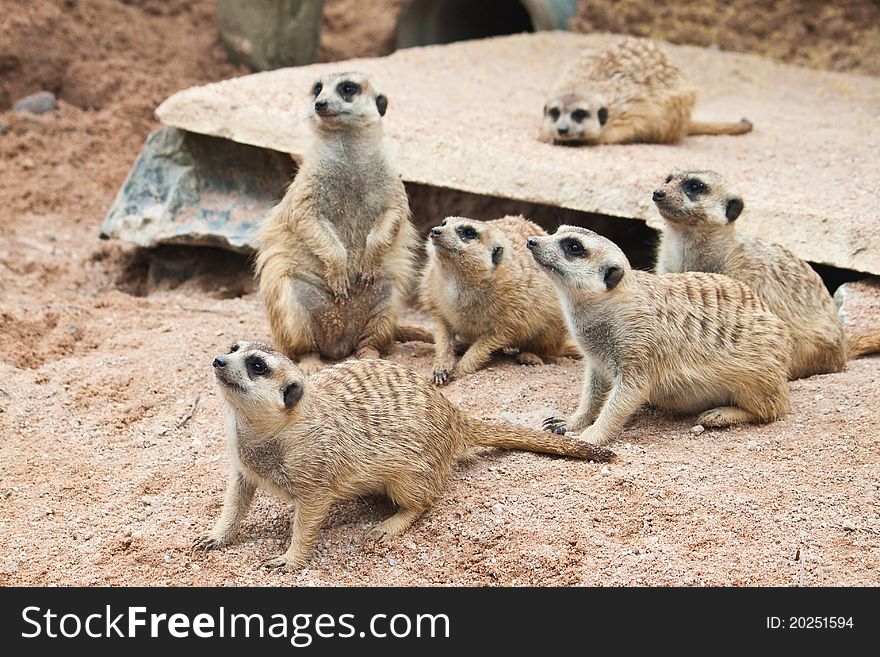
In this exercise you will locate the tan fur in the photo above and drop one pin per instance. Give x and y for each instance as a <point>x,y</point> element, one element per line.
<point>357,428</point>
<point>690,343</point>
<point>487,305</point>
<point>644,96</point>
<point>335,258</point>
<point>700,209</point>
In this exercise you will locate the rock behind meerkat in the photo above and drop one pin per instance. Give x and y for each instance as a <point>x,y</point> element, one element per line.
<point>357,428</point>
<point>689,343</point>
<point>483,290</point>
<point>701,209</point>
<point>335,258</point>
<point>626,92</point>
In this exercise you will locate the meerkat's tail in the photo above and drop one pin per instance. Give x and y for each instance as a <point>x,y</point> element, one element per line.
<point>408,333</point>
<point>719,128</point>
<point>508,436</point>
<point>862,343</point>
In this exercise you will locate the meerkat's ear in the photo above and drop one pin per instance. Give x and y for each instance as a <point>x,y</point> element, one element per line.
<point>497,252</point>
<point>612,276</point>
<point>733,208</point>
<point>292,394</point>
<point>382,104</point>
<point>603,115</point>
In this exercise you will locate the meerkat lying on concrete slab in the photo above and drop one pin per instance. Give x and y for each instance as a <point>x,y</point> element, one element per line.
<point>689,343</point>
<point>483,290</point>
<point>335,258</point>
<point>357,428</point>
<point>700,209</point>
<point>626,92</point>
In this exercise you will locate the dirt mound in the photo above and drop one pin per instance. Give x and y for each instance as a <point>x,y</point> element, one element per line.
<point>837,36</point>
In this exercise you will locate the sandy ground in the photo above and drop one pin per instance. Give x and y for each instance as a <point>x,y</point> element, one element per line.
<point>105,478</point>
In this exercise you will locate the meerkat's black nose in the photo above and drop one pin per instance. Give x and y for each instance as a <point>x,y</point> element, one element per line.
<point>562,131</point>
<point>320,105</point>
<point>659,195</point>
<point>436,231</point>
<point>532,242</point>
<point>219,362</point>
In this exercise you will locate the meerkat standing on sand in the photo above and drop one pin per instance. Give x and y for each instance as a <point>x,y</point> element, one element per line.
<point>335,258</point>
<point>483,288</point>
<point>687,343</point>
<point>627,92</point>
<point>357,428</point>
<point>700,210</point>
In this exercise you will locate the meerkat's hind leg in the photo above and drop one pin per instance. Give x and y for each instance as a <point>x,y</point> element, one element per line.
<point>389,529</point>
<point>528,358</point>
<point>726,416</point>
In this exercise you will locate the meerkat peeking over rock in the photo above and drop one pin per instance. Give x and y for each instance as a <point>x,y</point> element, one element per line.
<point>700,209</point>
<point>626,92</point>
<point>484,291</point>
<point>357,428</point>
<point>688,343</point>
<point>335,258</point>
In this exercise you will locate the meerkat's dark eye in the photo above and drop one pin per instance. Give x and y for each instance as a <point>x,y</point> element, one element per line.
<point>348,88</point>
<point>256,366</point>
<point>579,115</point>
<point>573,248</point>
<point>554,113</point>
<point>693,186</point>
<point>233,348</point>
<point>467,233</point>
<point>317,89</point>
<point>669,178</point>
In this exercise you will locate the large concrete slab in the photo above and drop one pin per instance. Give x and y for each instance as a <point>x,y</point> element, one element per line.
<point>464,116</point>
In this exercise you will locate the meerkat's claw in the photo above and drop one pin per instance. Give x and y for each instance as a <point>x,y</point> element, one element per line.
<point>280,562</point>
<point>554,425</point>
<point>441,377</point>
<point>206,542</point>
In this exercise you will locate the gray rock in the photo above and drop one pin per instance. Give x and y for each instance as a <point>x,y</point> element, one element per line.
<point>196,190</point>
<point>38,103</point>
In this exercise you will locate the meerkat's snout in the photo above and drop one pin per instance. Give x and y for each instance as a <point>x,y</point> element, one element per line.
<point>658,195</point>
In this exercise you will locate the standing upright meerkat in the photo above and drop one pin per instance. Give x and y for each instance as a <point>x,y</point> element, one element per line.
<point>689,343</point>
<point>700,209</point>
<point>626,92</point>
<point>335,258</point>
<point>357,428</point>
<point>483,289</point>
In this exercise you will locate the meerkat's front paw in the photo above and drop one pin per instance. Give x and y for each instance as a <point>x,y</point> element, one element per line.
<point>528,358</point>
<point>441,376</point>
<point>283,562</point>
<point>554,425</point>
<point>338,284</point>
<point>207,541</point>
<point>366,276</point>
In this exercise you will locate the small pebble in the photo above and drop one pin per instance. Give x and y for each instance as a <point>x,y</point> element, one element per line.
<point>38,103</point>
<point>605,470</point>
<point>698,429</point>
<point>392,561</point>
<point>167,558</point>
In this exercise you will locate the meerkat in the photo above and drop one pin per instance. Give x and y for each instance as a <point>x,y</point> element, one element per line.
<point>356,428</point>
<point>335,258</point>
<point>626,92</point>
<point>483,290</point>
<point>688,343</point>
<point>700,209</point>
